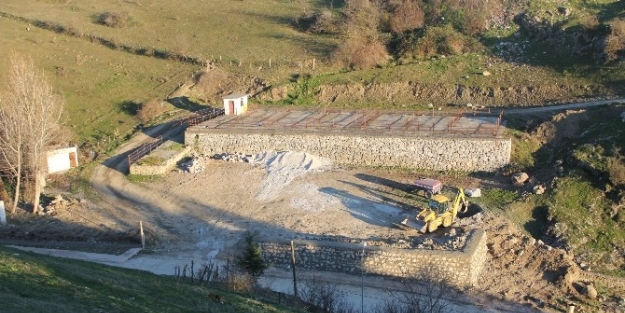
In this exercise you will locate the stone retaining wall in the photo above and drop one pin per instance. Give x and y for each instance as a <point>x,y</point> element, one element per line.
<point>462,153</point>
<point>460,268</point>
<point>170,162</point>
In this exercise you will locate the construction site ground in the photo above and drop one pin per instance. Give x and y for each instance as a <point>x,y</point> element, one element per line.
<point>204,216</point>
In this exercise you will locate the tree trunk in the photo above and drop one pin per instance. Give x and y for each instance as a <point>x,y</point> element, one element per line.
<point>18,185</point>
<point>4,195</point>
<point>37,191</point>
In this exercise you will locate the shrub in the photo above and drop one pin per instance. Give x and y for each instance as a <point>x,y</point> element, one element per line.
<point>361,47</point>
<point>406,15</point>
<point>589,22</point>
<point>616,169</point>
<point>361,52</point>
<point>151,110</point>
<point>113,19</point>
<point>615,41</point>
<point>424,294</point>
<point>439,40</point>
<point>324,296</point>
<point>319,22</point>
<point>252,259</point>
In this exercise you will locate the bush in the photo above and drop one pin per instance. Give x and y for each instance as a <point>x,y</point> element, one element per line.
<point>361,52</point>
<point>319,22</point>
<point>616,169</point>
<point>439,40</point>
<point>424,294</point>
<point>468,16</point>
<point>406,15</point>
<point>113,19</point>
<point>615,41</point>
<point>325,297</point>
<point>252,259</point>
<point>152,109</point>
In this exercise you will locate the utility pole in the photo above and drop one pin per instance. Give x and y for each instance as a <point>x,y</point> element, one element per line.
<point>293,266</point>
<point>362,272</point>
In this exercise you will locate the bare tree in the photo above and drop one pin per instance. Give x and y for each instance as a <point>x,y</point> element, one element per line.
<point>361,46</point>
<point>324,296</point>
<point>406,15</point>
<point>34,112</point>
<point>12,135</point>
<point>423,294</point>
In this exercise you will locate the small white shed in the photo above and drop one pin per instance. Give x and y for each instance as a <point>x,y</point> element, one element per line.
<point>61,160</point>
<point>235,103</point>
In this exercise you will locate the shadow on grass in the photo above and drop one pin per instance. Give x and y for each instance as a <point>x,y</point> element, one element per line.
<point>329,4</point>
<point>129,107</point>
<point>185,103</point>
<point>536,226</point>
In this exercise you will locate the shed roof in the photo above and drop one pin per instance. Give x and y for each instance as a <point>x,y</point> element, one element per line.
<point>235,95</point>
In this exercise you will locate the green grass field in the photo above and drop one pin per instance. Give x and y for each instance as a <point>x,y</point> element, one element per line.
<point>100,86</point>
<point>103,87</point>
<point>34,283</point>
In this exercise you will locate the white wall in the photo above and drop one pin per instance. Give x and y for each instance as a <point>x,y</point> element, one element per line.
<point>59,161</point>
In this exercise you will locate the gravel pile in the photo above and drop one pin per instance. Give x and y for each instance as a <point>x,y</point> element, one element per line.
<point>284,167</point>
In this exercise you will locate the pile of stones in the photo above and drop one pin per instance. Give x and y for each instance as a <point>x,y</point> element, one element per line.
<point>56,205</point>
<point>194,165</point>
<point>231,157</point>
<point>522,178</point>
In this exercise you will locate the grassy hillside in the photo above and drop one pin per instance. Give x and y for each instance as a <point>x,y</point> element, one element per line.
<point>101,87</point>
<point>264,41</point>
<point>35,283</point>
<point>230,31</point>
<point>582,210</point>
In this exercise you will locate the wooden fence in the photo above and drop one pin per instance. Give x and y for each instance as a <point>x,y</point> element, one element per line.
<point>144,149</point>
<point>200,116</point>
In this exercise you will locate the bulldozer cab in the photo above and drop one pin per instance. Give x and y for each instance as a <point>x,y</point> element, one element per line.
<point>439,204</point>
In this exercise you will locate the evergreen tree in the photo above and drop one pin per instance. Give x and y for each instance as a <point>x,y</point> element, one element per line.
<point>252,259</point>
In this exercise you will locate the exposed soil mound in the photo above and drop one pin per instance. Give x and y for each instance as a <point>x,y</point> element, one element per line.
<point>212,84</point>
<point>524,270</point>
<point>562,126</point>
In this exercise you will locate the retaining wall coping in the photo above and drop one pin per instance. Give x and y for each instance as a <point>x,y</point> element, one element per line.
<point>470,247</point>
<point>337,133</point>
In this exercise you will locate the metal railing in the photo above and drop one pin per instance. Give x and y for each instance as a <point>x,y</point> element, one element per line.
<point>407,123</point>
<point>144,149</point>
<point>147,147</point>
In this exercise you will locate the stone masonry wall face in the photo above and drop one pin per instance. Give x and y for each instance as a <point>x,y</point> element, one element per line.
<point>461,268</point>
<point>466,154</point>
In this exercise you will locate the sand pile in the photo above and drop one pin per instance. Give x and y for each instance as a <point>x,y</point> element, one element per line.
<point>284,167</point>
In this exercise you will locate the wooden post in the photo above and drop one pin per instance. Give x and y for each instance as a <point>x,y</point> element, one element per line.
<point>314,63</point>
<point>142,235</point>
<point>293,266</point>
<point>571,308</point>
<point>269,62</point>
<point>192,272</point>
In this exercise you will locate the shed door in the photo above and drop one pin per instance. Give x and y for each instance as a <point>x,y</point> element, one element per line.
<point>72,159</point>
<point>231,107</point>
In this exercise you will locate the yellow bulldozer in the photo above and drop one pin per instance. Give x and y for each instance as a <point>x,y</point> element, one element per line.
<point>440,211</point>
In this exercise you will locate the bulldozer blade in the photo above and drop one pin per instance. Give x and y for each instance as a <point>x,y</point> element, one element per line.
<point>414,223</point>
